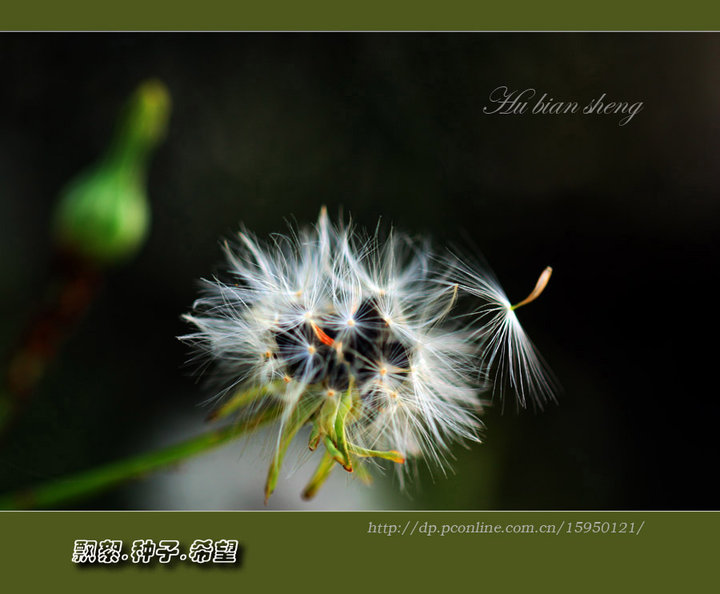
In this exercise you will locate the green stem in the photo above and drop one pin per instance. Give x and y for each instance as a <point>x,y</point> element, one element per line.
<point>95,481</point>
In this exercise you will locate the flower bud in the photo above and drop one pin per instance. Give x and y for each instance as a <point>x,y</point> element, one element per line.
<point>103,215</point>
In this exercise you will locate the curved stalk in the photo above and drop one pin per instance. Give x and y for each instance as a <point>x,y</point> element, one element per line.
<point>84,484</point>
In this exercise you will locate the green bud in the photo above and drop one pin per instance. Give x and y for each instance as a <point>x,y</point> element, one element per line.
<point>103,214</point>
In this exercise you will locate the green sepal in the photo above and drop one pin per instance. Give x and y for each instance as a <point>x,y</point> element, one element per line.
<point>391,455</point>
<point>303,410</point>
<point>324,423</point>
<point>326,418</point>
<point>315,437</point>
<point>327,463</point>
<point>341,443</point>
<point>337,455</point>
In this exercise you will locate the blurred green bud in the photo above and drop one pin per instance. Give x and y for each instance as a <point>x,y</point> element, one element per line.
<point>103,214</point>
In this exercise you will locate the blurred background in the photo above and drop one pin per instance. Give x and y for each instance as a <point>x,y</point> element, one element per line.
<point>268,127</point>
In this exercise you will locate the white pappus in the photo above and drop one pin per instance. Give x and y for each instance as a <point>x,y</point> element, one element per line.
<point>384,347</point>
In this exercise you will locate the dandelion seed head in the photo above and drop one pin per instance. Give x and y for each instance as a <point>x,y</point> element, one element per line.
<point>368,339</point>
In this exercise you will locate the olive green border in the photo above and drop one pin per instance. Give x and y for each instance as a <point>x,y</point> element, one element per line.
<point>316,552</point>
<point>351,551</point>
<point>367,15</point>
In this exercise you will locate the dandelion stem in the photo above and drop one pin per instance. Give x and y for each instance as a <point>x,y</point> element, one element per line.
<point>539,288</point>
<point>91,482</point>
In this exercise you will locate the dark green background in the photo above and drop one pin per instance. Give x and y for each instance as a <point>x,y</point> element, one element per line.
<point>268,126</point>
